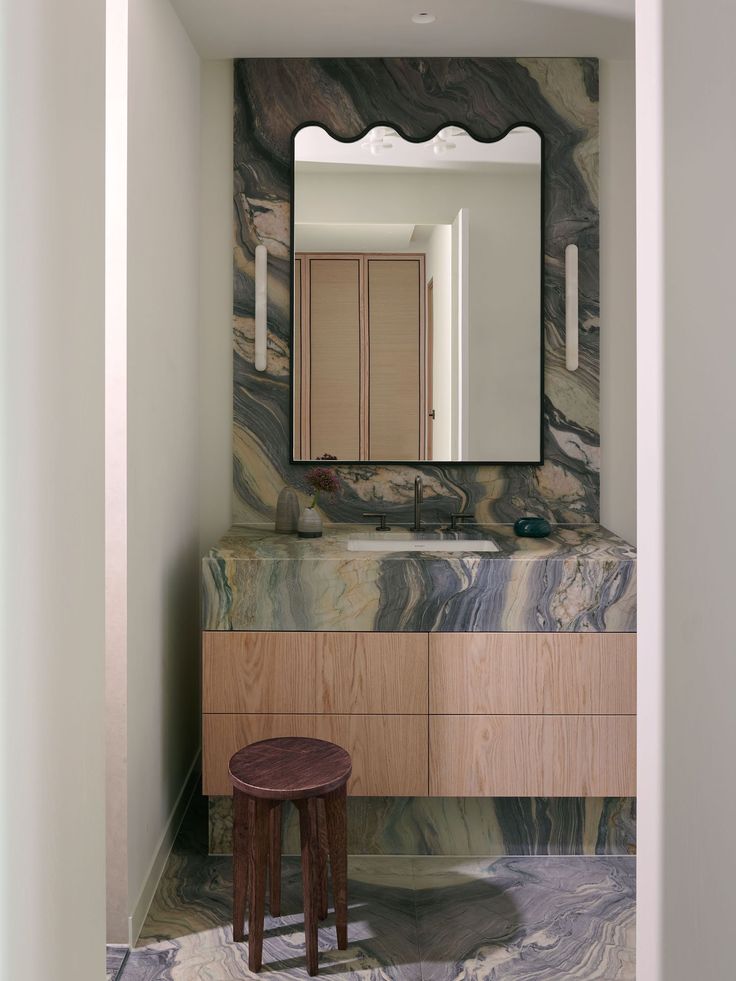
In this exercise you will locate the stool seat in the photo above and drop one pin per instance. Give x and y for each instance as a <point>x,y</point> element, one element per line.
<point>290,768</point>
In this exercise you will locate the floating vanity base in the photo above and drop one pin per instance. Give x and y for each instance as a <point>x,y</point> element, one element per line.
<point>465,826</point>
<point>488,700</point>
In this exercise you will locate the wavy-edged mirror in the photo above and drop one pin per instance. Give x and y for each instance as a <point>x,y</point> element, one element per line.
<point>417,297</point>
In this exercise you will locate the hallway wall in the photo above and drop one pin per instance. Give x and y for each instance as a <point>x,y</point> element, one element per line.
<point>686,159</point>
<point>52,844</point>
<point>154,696</point>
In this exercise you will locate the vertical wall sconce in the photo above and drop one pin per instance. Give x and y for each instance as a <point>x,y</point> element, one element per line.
<point>571,307</point>
<point>261,307</point>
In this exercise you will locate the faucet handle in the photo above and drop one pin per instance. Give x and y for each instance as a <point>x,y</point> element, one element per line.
<point>455,518</point>
<point>381,517</point>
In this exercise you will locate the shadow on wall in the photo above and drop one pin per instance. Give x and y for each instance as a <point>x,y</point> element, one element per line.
<point>180,710</point>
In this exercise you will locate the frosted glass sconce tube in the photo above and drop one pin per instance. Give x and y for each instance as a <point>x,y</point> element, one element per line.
<point>261,307</point>
<point>571,307</point>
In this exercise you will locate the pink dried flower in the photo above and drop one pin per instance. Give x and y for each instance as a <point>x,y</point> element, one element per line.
<point>321,479</point>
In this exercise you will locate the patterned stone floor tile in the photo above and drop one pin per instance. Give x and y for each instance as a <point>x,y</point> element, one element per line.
<point>187,935</point>
<point>410,919</point>
<point>115,958</point>
<point>537,919</point>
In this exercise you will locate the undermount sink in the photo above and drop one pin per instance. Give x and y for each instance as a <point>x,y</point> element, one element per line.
<point>416,542</point>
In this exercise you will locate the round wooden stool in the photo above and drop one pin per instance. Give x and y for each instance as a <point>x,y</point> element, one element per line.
<point>313,774</point>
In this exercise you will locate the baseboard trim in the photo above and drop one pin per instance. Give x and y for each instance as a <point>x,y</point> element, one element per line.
<point>140,910</point>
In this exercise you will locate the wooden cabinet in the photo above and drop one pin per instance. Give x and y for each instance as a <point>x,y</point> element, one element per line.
<point>320,673</point>
<point>472,714</point>
<point>365,691</point>
<point>529,674</point>
<point>532,755</point>
<point>359,356</point>
<point>331,339</point>
<point>389,751</point>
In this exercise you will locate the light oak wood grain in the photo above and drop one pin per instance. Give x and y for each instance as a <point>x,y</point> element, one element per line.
<point>389,752</point>
<point>334,339</point>
<point>507,673</point>
<point>314,672</point>
<point>532,755</point>
<point>395,331</point>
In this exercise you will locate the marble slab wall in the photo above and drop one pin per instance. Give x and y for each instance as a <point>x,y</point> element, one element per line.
<point>465,826</point>
<point>485,95</point>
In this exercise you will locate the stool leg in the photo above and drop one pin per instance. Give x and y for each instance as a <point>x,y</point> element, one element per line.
<point>323,854</point>
<point>257,874</point>
<point>241,823</point>
<point>274,855</point>
<point>308,832</point>
<point>337,833</point>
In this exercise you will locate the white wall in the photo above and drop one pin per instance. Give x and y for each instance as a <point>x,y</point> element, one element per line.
<point>503,212</point>
<point>216,301</point>
<point>618,297</point>
<point>686,159</point>
<point>52,857</point>
<point>162,440</point>
<point>504,336</point>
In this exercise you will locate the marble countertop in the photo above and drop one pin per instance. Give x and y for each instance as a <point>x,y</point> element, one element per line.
<point>580,578</point>
<point>592,542</point>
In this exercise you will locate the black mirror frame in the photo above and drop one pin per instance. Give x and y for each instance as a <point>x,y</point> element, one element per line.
<point>542,216</point>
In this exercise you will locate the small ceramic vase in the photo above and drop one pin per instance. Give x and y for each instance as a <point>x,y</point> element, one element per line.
<point>310,524</point>
<point>287,511</point>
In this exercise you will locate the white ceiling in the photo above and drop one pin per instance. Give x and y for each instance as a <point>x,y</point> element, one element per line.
<point>346,237</point>
<point>383,28</point>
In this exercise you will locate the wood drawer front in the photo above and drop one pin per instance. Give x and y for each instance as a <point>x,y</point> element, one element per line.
<point>505,673</point>
<point>532,756</point>
<point>389,751</point>
<point>315,672</point>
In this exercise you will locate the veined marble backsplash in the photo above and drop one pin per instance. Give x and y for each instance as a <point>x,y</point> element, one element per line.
<point>465,826</point>
<point>487,95</point>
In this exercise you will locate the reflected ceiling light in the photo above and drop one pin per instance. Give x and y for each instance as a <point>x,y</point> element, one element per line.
<point>424,18</point>
<point>441,144</point>
<point>376,140</point>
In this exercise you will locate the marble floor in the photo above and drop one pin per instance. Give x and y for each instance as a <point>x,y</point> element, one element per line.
<point>529,919</point>
<point>115,957</point>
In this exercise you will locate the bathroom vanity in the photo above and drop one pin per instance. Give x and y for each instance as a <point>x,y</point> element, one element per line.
<point>495,673</point>
<point>445,326</point>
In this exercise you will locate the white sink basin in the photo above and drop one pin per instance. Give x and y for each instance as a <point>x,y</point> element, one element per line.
<point>378,542</point>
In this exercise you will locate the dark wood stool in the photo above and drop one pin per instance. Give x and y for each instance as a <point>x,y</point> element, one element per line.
<point>313,774</point>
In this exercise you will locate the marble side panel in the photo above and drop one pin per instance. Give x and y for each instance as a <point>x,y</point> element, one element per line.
<point>486,95</point>
<point>466,826</point>
<point>579,579</point>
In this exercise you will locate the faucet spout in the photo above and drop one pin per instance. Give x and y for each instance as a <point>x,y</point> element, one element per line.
<point>418,498</point>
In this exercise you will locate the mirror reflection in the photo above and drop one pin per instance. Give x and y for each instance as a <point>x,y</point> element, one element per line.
<point>417,292</point>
